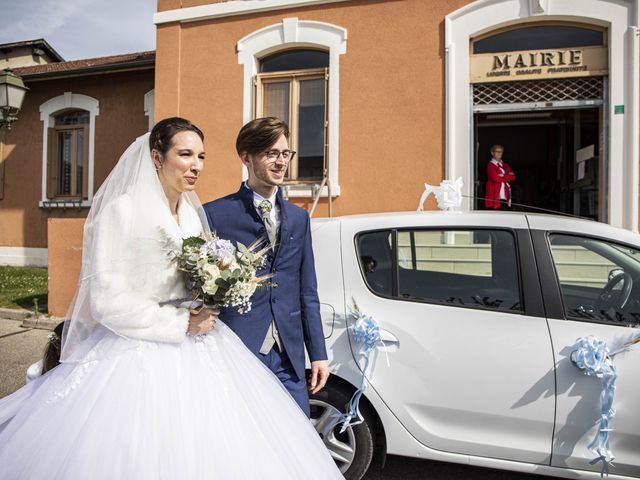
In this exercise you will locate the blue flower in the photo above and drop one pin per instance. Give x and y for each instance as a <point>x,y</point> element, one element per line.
<point>222,248</point>
<point>591,356</point>
<point>366,332</point>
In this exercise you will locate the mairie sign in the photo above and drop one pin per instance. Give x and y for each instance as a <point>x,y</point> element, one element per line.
<point>537,64</point>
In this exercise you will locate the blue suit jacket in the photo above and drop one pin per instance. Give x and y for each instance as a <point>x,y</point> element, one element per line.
<point>292,298</point>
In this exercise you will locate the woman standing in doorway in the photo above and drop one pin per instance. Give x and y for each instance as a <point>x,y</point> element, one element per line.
<point>499,174</point>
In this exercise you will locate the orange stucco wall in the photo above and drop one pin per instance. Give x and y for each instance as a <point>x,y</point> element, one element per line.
<point>65,260</point>
<point>391,95</point>
<point>22,222</point>
<point>391,111</point>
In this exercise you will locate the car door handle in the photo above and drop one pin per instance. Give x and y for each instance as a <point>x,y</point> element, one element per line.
<point>388,338</point>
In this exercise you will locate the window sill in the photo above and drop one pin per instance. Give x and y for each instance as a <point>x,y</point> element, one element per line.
<point>306,191</point>
<point>64,204</point>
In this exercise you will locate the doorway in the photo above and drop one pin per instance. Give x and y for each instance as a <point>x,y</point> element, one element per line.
<point>555,154</point>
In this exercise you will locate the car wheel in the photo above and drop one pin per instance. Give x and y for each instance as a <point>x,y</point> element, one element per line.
<point>352,450</point>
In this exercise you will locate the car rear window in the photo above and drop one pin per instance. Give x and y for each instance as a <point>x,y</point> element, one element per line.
<point>467,268</point>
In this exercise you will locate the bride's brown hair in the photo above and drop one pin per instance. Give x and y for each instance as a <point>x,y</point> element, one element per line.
<point>164,131</point>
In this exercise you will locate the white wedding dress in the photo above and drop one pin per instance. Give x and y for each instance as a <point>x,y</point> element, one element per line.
<point>138,399</point>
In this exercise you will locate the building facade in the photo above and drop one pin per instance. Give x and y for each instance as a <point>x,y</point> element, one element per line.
<point>27,53</point>
<point>76,119</point>
<point>384,96</point>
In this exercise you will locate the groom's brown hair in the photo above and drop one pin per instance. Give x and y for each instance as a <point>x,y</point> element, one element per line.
<point>260,134</point>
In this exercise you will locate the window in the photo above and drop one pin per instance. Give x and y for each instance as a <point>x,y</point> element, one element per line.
<point>67,167</point>
<point>294,35</point>
<point>293,86</point>
<point>376,261</point>
<point>68,123</point>
<point>598,279</point>
<point>539,37</point>
<point>471,268</point>
<point>149,106</point>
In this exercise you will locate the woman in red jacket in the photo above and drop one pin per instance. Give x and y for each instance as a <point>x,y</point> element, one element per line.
<point>499,174</point>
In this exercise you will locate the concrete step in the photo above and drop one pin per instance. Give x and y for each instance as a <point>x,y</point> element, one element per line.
<point>29,319</point>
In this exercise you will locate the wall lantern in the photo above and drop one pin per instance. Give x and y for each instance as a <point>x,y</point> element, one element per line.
<point>12,92</point>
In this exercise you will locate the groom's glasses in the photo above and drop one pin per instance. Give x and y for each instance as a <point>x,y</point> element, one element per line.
<point>272,155</point>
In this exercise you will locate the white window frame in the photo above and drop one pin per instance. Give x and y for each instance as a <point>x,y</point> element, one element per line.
<point>149,99</point>
<point>292,33</point>
<point>622,19</point>
<point>48,111</point>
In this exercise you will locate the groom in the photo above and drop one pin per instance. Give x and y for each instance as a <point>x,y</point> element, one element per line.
<point>285,315</point>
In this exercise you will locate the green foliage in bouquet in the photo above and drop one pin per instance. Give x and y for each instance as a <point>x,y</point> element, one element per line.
<point>217,273</point>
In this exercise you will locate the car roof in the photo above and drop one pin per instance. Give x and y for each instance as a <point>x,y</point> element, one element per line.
<point>484,218</point>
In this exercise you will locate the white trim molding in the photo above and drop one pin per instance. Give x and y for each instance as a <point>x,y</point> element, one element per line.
<point>231,8</point>
<point>23,256</point>
<point>292,33</point>
<point>47,111</point>
<point>621,18</point>
<point>149,99</point>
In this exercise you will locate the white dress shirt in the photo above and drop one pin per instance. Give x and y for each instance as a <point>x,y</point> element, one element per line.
<point>275,209</point>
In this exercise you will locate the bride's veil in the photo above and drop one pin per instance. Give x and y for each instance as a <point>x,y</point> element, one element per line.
<point>128,234</point>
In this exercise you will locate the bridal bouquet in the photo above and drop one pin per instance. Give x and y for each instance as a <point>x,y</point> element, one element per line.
<point>219,273</point>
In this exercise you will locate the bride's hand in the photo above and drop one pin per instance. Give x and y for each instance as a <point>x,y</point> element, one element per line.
<point>202,322</point>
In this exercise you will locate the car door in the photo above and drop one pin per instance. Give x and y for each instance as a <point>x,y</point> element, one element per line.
<point>467,365</point>
<point>580,264</point>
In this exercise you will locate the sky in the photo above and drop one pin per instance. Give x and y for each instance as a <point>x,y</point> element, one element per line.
<point>79,29</point>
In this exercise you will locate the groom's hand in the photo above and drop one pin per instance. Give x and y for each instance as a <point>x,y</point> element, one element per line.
<point>319,375</point>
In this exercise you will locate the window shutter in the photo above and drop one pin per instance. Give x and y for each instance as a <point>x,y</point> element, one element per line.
<point>257,97</point>
<point>1,174</point>
<point>85,164</point>
<point>52,163</point>
<point>2,165</point>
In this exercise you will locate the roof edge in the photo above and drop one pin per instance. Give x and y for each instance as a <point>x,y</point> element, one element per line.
<point>41,42</point>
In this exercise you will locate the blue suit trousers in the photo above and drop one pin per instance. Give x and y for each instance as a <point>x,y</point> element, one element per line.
<point>278,362</point>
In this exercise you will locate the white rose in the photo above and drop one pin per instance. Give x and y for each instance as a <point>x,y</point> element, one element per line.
<point>247,289</point>
<point>212,271</point>
<point>210,287</point>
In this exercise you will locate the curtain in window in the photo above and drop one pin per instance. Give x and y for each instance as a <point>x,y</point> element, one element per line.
<point>276,100</point>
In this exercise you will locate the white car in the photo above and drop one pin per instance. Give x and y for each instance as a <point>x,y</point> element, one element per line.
<point>479,313</point>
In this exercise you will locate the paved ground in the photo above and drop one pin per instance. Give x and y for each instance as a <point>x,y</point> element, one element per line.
<point>400,468</point>
<point>20,347</point>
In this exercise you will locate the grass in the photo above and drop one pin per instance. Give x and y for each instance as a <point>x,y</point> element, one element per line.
<point>22,287</point>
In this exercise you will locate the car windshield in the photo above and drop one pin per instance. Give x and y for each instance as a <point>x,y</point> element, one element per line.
<point>629,252</point>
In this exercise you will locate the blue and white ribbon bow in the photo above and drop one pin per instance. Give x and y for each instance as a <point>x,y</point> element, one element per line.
<point>366,334</point>
<point>593,358</point>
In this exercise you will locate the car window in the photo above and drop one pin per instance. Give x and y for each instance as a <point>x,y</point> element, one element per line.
<point>376,260</point>
<point>470,268</point>
<point>599,280</point>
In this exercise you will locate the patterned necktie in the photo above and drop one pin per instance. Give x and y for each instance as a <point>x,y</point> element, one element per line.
<point>265,210</point>
<point>271,338</point>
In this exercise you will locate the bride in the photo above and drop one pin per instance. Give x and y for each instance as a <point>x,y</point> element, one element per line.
<point>146,389</point>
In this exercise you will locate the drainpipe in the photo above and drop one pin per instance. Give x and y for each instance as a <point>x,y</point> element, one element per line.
<point>448,78</point>
<point>633,131</point>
